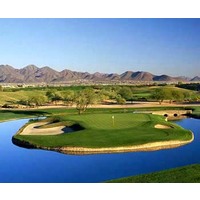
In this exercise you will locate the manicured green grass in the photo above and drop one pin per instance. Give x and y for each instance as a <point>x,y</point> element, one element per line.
<point>99,131</point>
<point>186,174</point>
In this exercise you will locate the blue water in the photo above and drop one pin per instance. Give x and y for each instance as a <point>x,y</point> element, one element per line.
<point>29,165</point>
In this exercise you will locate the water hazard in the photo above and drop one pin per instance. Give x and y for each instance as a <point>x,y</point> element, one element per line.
<point>32,165</point>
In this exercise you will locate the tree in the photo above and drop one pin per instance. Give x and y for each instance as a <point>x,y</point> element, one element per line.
<point>126,93</point>
<point>111,93</point>
<point>83,99</point>
<point>23,101</point>
<point>177,95</point>
<point>159,94</point>
<point>38,100</point>
<point>68,97</point>
<point>81,103</point>
<point>90,96</point>
<point>50,94</point>
<point>102,97</point>
<point>54,96</point>
<point>57,97</point>
<point>115,88</point>
<point>120,100</point>
<point>168,94</point>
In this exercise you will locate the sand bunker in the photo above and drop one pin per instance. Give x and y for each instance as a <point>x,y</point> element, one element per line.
<point>160,126</point>
<point>33,129</point>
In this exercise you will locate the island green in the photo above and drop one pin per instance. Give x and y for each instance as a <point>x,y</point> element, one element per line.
<point>111,130</point>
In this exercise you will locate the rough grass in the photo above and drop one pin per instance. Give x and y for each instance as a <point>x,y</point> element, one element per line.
<point>128,129</point>
<point>13,97</point>
<point>186,174</point>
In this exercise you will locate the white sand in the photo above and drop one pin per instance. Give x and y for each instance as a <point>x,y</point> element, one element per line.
<point>33,129</point>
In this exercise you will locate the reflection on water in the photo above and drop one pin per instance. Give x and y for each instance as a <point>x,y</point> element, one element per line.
<point>28,165</point>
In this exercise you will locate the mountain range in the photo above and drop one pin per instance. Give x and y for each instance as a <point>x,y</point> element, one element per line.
<point>34,74</point>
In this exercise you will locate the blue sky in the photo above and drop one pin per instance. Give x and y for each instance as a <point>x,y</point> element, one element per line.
<point>160,46</point>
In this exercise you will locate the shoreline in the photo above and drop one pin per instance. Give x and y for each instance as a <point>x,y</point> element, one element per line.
<point>153,146</point>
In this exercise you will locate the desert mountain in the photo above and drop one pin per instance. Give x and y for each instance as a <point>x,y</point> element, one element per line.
<point>164,78</point>
<point>34,74</point>
<point>196,78</point>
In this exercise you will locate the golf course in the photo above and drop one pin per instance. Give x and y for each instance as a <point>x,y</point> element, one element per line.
<point>95,99</point>
<point>103,133</point>
<point>98,119</point>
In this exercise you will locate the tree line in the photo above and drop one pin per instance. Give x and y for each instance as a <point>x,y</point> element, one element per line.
<point>81,98</point>
<point>101,95</point>
<point>163,93</point>
<point>190,86</point>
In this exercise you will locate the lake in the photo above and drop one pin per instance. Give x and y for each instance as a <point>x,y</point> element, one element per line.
<point>39,166</point>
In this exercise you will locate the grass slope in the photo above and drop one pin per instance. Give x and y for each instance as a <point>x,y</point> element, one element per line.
<point>186,174</point>
<point>129,129</point>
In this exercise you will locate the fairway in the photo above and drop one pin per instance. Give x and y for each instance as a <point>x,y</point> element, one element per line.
<point>99,131</point>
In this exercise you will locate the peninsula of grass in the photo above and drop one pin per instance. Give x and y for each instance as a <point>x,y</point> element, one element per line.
<point>102,131</point>
<point>186,174</point>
